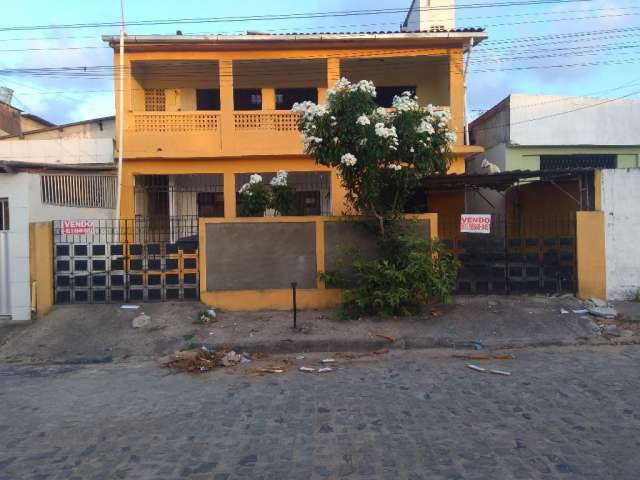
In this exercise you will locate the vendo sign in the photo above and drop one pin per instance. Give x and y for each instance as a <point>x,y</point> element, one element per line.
<point>77,227</point>
<point>475,223</point>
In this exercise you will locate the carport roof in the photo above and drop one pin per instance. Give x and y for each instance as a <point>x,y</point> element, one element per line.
<point>496,181</point>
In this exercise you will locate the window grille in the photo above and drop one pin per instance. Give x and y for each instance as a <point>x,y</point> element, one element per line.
<point>4,214</point>
<point>89,191</point>
<point>155,100</point>
<point>558,162</point>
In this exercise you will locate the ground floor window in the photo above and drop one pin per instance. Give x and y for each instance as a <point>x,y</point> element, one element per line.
<point>312,191</point>
<point>4,214</point>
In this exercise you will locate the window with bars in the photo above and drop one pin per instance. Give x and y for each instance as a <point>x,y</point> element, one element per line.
<point>155,100</point>
<point>558,162</point>
<point>88,191</point>
<point>4,214</point>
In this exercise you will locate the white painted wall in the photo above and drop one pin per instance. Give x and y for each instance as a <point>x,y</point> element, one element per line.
<point>541,120</point>
<point>15,188</point>
<point>25,206</point>
<point>422,18</point>
<point>58,150</point>
<point>620,201</point>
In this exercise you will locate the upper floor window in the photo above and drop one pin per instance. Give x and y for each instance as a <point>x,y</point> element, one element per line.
<point>4,214</point>
<point>386,94</point>
<point>89,191</point>
<point>208,99</point>
<point>247,99</point>
<point>286,97</point>
<point>155,100</point>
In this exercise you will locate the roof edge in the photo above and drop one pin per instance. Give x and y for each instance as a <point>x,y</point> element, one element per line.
<point>59,127</point>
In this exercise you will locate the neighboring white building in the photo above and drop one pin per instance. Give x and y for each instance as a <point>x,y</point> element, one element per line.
<point>545,132</point>
<point>38,193</point>
<point>62,172</point>
<point>86,142</point>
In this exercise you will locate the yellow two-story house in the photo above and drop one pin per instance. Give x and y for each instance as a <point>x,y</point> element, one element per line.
<point>202,113</point>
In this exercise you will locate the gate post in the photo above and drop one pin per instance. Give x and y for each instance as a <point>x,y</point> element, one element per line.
<point>41,266</point>
<point>590,253</point>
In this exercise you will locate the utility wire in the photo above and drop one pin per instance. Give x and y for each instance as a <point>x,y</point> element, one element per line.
<point>288,16</point>
<point>333,27</point>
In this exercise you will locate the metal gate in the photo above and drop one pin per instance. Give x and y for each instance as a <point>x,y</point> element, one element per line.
<point>528,255</point>
<point>103,261</point>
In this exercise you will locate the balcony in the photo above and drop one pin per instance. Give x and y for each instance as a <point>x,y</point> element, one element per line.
<point>205,109</point>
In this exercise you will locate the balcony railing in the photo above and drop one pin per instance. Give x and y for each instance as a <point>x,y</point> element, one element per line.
<point>176,121</point>
<point>278,121</point>
<point>202,134</point>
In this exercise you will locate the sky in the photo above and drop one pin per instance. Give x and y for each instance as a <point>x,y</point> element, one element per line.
<point>596,54</point>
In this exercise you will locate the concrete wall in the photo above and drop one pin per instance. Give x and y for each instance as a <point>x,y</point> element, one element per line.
<point>593,122</point>
<point>620,201</point>
<point>249,263</point>
<point>260,256</point>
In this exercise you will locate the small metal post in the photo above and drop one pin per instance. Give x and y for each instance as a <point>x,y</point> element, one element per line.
<point>294,285</point>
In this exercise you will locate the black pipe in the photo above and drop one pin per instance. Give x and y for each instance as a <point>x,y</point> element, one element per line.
<point>295,306</point>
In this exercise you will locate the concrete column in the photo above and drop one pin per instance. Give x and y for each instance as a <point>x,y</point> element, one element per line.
<point>229,195</point>
<point>268,99</point>
<point>456,93</point>
<point>590,253</point>
<point>227,124</point>
<point>333,71</point>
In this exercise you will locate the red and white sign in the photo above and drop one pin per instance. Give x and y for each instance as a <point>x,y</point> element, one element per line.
<point>77,227</point>
<point>475,223</point>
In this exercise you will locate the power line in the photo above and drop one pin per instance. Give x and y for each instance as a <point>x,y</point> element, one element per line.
<point>288,16</point>
<point>90,47</point>
<point>331,27</point>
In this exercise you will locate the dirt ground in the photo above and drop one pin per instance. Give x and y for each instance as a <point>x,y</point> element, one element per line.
<point>103,333</point>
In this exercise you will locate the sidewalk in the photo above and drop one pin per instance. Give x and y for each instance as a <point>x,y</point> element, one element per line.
<point>104,333</point>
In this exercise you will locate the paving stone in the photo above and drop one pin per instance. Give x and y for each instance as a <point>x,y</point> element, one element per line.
<point>564,413</point>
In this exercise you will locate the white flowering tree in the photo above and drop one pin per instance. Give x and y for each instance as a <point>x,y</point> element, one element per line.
<point>380,154</point>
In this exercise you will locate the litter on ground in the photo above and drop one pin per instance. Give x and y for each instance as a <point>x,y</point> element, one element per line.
<point>325,370</point>
<point>501,372</point>
<point>328,360</point>
<point>382,335</point>
<point>307,369</point>
<point>130,307</point>
<point>476,368</point>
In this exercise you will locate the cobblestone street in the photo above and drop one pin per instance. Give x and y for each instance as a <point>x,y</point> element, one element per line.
<point>564,413</point>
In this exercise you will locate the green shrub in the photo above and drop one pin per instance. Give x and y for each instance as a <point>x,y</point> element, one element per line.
<point>410,271</point>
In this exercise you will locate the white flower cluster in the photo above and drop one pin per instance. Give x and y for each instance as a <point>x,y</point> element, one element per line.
<point>309,110</point>
<point>451,138</point>
<point>253,179</point>
<point>348,159</point>
<point>363,120</point>
<point>389,133</point>
<point>405,102</point>
<point>443,117</point>
<point>365,86</point>
<point>309,139</point>
<point>280,180</point>
<point>425,127</point>
<point>394,166</point>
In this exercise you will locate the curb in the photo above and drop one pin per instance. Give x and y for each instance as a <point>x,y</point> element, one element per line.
<point>289,346</point>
